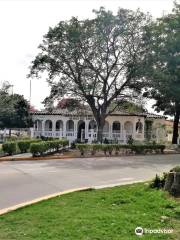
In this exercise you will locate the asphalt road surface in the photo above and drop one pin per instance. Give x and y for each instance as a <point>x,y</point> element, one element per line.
<point>22,181</point>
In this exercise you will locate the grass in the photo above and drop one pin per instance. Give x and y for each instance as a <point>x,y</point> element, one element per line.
<point>108,214</point>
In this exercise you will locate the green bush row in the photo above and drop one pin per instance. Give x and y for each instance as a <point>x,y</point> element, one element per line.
<point>11,147</point>
<point>24,145</point>
<point>38,149</point>
<point>116,148</point>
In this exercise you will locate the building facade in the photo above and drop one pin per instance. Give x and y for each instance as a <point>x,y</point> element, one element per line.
<point>81,125</point>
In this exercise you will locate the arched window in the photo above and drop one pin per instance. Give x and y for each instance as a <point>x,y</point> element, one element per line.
<point>116,126</point>
<point>70,125</point>
<point>38,125</point>
<point>92,125</point>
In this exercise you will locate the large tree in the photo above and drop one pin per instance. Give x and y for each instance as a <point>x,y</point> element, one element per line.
<point>14,109</point>
<point>94,60</point>
<point>162,65</point>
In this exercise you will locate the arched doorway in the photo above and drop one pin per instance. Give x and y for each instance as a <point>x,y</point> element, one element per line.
<point>81,131</point>
<point>48,125</point>
<point>59,125</point>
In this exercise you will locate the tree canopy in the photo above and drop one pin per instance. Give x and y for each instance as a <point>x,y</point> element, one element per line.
<point>94,59</point>
<point>162,65</point>
<point>14,109</point>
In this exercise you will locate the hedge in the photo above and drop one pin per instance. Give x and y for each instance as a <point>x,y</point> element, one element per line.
<point>43,147</point>
<point>9,147</point>
<point>24,145</point>
<point>110,148</point>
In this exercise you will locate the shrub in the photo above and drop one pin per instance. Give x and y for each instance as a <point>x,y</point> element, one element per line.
<point>94,148</point>
<point>156,182</point>
<point>117,148</point>
<point>138,149</point>
<point>24,145</point>
<point>82,148</point>
<point>107,148</point>
<point>130,140</point>
<point>9,147</point>
<point>47,146</point>
<point>175,169</point>
<point>38,148</point>
<point>159,182</point>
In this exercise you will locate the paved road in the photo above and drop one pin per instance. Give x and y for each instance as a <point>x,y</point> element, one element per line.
<point>22,181</point>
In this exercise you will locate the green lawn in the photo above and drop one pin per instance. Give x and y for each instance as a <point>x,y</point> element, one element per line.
<point>108,214</point>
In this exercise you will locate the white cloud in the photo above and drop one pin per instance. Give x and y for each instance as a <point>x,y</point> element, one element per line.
<point>23,24</point>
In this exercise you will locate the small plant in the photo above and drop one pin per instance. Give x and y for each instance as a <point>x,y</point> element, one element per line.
<point>130,140</point>
<point>9,147</point>
<point>94,148</point>
<point>82,148</point>
<point>156,182</point>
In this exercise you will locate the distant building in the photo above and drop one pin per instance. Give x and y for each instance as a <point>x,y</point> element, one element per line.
<point>80,124</point>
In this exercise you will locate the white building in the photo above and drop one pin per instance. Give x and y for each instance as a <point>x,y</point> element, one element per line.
<point>80,124</point>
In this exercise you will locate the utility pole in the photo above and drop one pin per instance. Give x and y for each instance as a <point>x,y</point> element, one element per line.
<point>30,92</point>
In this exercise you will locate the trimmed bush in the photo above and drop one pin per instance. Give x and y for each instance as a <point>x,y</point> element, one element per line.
<point>127,148</point>
<point>9,147</point>
<point>108,148</point>
<point>24,145</point>
<point>38,149</point>
<point>95,148</point>
<point>83,148</point>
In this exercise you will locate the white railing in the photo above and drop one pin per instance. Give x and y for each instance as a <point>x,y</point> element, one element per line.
<point>58,134</point>
<point>70,133</point>
<point>91,135</point>
<point>116,135</point>
<point>37,133</point>
<point>47,134</point>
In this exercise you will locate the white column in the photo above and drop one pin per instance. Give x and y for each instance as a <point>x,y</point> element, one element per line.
<point>134,129</point>
<point>123,132</point>
<point>75,128</point>
<point>43,127</point>
<point>53,128</point>
<point>143,129</point>
<point>110,130</point>
<point>87,129</point>
<point>64,128</point>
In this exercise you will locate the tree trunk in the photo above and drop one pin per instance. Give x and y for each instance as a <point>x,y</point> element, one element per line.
<point>100,125</point>
<point>175,127</point>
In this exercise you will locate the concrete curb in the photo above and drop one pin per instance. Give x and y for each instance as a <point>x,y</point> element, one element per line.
<point>3,159</point>
<point>28,203</point>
